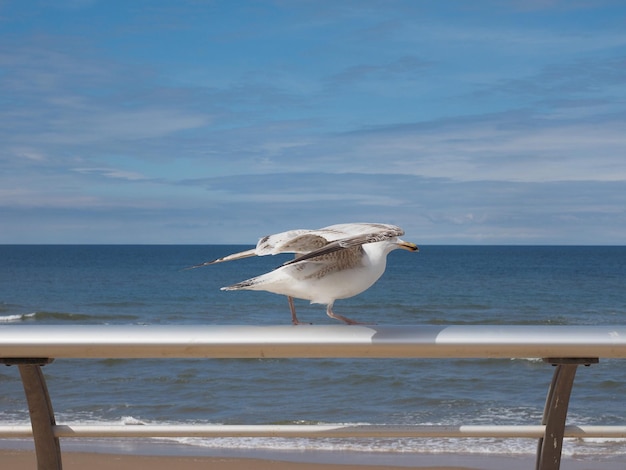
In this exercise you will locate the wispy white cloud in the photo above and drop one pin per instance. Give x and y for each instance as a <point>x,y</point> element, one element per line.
<point>118,125</point>
<point>489,147</point>
<point>516,146</point>
<point>112,173</point>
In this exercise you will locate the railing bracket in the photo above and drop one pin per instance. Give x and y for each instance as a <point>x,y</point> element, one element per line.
<point>18,361</point>
<point>555,412</point>
<point>47,447</point>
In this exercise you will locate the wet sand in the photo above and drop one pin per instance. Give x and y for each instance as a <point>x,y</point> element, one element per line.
<point>25,460</point>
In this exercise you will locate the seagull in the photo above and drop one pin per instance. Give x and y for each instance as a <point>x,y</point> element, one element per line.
<point>331,263</point>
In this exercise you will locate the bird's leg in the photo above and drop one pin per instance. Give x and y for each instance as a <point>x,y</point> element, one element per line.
<point>336,316</point>
<point>292,307</point>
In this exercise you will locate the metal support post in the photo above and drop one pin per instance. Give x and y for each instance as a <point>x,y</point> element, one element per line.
<point>555,412</point>
<point>47,446</point>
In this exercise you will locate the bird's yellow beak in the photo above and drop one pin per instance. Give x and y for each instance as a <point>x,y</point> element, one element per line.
<point>407,246</point>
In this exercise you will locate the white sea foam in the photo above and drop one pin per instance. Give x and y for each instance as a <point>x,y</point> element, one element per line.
<point>528,359</point>
<point>130,420</point>
<point>572,447</point>
<point>16,318</point>
<point>520,447</point>
<point>586,448</point>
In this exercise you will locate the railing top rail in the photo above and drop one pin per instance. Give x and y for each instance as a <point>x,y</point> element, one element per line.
<point>311,341</point>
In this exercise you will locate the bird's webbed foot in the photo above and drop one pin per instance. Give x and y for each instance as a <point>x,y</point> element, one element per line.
<point>346,320</point>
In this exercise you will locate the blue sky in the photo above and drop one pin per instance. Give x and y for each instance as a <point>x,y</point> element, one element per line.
<point>480,122</point>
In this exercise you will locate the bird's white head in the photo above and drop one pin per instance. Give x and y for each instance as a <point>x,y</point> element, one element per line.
<point>385,247</point>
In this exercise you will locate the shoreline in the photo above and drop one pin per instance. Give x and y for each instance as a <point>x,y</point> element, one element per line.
<point>26,460</point>
<point>20,459</point>
<point>96,449</point>
<point>101,455</point>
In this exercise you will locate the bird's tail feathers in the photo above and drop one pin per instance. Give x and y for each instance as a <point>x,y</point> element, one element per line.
<point>247,284</point>
<point>254,283</point>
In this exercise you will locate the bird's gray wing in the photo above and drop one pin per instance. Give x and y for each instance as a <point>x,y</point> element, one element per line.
<point>336,232</point>
<point>381,232</point>
<point>305,241</point>
<point>292,241</point>
<point>312,243</point>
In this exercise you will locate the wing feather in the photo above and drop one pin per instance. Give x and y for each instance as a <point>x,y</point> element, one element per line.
<point>313,243</point>
<point>376,233</point>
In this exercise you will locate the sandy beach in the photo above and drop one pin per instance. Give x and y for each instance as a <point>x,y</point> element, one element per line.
<point>21,459</point>
<point>25,460</point>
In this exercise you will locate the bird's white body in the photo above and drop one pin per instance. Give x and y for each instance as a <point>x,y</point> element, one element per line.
<point>331,263</point>
<point>322,282</point>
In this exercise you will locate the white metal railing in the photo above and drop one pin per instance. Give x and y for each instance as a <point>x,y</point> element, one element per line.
<point>313,341</point>
<point>30,346</point>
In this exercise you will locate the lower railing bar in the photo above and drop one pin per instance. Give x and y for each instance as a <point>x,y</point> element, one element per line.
<point>314,431</point>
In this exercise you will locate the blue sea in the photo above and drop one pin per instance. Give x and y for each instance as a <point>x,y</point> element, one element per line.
<point>440,285</point>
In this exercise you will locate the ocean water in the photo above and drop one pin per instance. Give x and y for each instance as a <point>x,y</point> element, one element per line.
<point>545,285</point>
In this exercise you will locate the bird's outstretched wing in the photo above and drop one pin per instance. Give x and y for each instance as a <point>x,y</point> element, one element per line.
<point>312,243</point>
<point>362,234</point>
